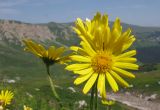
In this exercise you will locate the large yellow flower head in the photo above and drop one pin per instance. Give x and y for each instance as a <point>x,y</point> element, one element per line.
<point>50,56</point>
<point>5,97</point>
<point>103,54</point>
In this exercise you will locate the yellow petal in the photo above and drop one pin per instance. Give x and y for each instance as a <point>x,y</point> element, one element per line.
<point>76,30</point>
<point>80,58</point>
<point>90,83</point>
<point>117,25</point>
<point>79,50</point>
<point>119,79</point>
<point>58,52</point>
<point>88,49</point>
<point>128,60</point>
<point>97,17</point>
<point>82,78</point>
<point>126,65</point>
<point>99,39</point>
<point>116,31</point>
<point>32,51</point>
<point>51,51</point>
<point>77,67</point>
<point>85,71</point>
<point>80,25</point>
<point>128,54</point>
<point>129,43</point>
<point>75,48</point>
<point>108,102</point>
<point>121,41</point>
<point>31,48</point>
<point>112,82</point>
<point>35,47</point>
<point>124,73</point>
<point>80,30</point>
<point>41,48</point>
<point>104,96</point>
<point>126,33</point>
<point>107,37</point>
<point>105,20</point>
<point>83,36</point>
<point>45,54</point>
<point>88,25</point>
<point>101,83</point>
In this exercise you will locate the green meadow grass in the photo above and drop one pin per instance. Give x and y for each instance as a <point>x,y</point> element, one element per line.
<point>33,78</point>
<point>14,62</point>
<point>147,78</point>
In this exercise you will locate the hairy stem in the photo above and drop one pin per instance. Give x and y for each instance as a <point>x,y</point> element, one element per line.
<point>53,86</point>
<point>109,107</point>
<point>96,96</point>
<point>92,97</point>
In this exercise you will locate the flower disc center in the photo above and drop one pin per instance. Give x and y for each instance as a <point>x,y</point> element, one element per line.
<point>102,62</point>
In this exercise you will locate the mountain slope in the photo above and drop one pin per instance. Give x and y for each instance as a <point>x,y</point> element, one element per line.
<point>146,36</point>
<point>14,31</point>
<point>147,43</point>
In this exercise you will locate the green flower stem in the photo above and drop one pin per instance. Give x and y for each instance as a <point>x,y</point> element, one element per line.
<point>53,86</point>
<point>92,97</point>
<point>109,107</point>
<point>96,97</point>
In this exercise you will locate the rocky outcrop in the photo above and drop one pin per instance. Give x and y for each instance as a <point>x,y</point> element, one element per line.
<point>13,31</point>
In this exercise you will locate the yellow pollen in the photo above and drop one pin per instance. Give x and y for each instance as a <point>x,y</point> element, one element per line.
<point>102,62</point>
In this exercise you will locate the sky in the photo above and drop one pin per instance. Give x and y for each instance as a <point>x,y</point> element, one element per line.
<point>138,12</point>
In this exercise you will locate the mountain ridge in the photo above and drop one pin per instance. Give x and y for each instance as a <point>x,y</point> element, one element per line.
<point>15,31</point>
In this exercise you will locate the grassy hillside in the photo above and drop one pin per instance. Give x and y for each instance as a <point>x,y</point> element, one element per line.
<point>152,79</point>
<point>149,55</point>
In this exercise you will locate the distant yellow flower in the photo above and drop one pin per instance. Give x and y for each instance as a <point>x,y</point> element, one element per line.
<point>1,107</point>
<point>27,108</point>
<point>50,56</point>
<point>108,102</point>
<point>103,54</point>
<point>5,97</point>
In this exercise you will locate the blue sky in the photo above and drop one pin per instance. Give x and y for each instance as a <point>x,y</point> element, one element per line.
<point>139,12</point>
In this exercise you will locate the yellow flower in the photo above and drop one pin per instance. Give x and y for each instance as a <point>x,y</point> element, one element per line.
<point>5,97</point>
<point>50,56</point>
<point>27,108</point>
<point>103,54</point>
